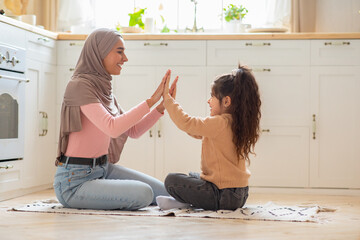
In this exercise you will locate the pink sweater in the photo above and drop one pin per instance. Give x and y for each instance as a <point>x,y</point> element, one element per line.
<point>99,126</point>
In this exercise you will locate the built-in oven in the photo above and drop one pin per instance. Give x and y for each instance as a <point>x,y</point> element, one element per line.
<point>12,102</point>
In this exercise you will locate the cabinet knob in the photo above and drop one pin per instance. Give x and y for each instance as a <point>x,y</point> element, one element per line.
<point>7,166</point>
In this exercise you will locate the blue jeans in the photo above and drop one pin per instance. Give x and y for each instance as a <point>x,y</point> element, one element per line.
<point>106,186</point>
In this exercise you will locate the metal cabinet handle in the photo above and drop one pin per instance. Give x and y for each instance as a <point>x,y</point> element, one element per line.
<point>7,166</point>
<point>150,133</point>
<point>155,44</point>
<point>265,130</point>
<point>314,126</point>
<point>262,70</point>
<point>15,78</point>
<point>76,44</point>
<point>159,133</point>
<point>43,124</point>
<point>336,43</point>
<point>44,39</point>
<point>71,69</point>
<point>258,44</point>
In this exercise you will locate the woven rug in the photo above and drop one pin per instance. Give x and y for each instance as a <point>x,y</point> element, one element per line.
<point>266,212</point>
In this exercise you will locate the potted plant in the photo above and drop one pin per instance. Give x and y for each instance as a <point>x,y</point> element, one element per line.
<point>233,15</point>
<point>136,23</point>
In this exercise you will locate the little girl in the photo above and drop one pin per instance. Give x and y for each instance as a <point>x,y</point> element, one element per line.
<point>228,137</point>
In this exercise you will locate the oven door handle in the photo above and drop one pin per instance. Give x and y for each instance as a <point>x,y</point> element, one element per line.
<point>15,78</point>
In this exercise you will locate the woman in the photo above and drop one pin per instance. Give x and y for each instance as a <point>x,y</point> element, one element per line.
<point>94,130</point>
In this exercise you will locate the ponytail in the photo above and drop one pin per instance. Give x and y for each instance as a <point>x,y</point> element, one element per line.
<point>243,90</point>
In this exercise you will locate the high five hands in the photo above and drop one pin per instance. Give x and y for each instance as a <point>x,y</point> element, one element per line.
<point>163,90</point>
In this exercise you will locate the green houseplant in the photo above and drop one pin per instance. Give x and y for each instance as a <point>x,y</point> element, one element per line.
<point>136,18</point>
<point>233,12</point>
<point>233,15</point>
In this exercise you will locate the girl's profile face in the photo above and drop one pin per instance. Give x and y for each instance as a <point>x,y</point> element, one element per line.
<point>215,107</point>
<point>116,58</point>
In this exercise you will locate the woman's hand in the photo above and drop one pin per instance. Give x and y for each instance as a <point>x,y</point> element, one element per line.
<point>159,91</point>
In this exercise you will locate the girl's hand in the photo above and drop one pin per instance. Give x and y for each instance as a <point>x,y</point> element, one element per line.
<point>159,91</point>
<point>172,92</point>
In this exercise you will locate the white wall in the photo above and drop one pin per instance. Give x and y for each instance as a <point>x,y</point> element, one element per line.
<point>338,16</point>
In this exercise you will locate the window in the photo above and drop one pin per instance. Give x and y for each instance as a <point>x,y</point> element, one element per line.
<point>179,14</point>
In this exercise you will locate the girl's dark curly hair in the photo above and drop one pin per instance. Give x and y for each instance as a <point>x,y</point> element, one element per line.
<point>243,90</point>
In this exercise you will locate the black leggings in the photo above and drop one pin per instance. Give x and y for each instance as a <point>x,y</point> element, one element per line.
<point>203,194</point>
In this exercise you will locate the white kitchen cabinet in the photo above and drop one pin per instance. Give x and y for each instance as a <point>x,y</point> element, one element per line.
<point>164,148</point>
<point>258,52</point>
<point>282,157</point>
<point>40,147</point>
<point>297,79</point>
<point>131,88</point>
<point>167,52</point>
<point>340,52</point>
<point>69,52</point>
<point>282,152</point>
<point>12,36</point>
<point>335,141</point>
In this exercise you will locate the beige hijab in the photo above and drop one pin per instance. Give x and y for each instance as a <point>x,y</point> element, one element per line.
<point>90,83</point>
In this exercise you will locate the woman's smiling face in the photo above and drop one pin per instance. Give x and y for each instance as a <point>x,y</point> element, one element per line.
<point>116,58</point>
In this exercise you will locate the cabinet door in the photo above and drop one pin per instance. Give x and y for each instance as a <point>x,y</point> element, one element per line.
<point>335,144</point>
<point>133,86</point>
<point>69,52</point>
<point>33,73</point>
<point>182,153</point>
<point>282,158</point>
<point>40,147</point>
<point>46,142</point>
<point>285,95</point>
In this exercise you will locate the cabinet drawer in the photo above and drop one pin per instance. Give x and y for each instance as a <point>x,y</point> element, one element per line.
<point>69,52</point>
<point>11,35</point>
<point>258,52</point>
<point>335,52</point>
<point>41,48</point>
<point>160,53</point>
<point>10,179</point>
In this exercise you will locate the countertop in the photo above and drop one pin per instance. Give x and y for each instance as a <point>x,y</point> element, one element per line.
<point>221,36</point>
<point>186,36</point>
<point>28,27</point>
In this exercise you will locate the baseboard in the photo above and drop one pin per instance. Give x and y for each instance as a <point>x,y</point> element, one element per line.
<point>310,191</point>
<point>21,192</point>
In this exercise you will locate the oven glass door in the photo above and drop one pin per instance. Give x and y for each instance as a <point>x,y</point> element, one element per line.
<point>12,119</point>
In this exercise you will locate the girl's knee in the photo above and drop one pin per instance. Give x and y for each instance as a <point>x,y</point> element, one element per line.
<point>171,180</point>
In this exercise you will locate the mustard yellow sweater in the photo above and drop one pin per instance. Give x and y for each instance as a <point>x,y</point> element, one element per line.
<point>219,160</point>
